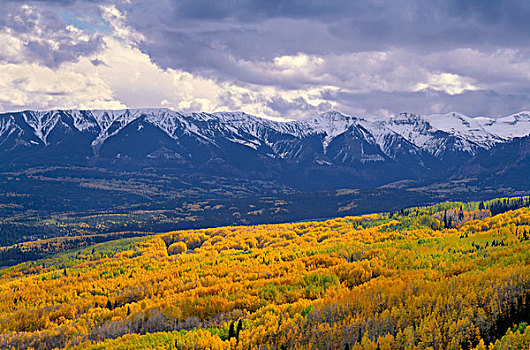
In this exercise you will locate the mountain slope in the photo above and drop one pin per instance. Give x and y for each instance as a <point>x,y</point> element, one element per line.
<point>327,151</point>
<point>505,163</point>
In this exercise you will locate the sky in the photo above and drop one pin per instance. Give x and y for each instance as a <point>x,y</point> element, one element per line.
<point>280,59</point>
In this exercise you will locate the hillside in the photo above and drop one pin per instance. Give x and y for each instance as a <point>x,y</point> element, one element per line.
<point>442,277</point>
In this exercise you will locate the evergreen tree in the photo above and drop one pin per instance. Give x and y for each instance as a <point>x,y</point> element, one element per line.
<point>239,328</point>
<point>231,331</point>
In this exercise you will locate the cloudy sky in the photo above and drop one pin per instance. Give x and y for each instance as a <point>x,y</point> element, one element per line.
<point>273,58</point>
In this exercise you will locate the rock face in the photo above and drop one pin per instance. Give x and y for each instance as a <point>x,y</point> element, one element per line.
<point>331,150</point>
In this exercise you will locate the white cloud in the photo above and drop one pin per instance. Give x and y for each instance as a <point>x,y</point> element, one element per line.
<point>120,29</point>
<point>25,86</point>
<point>125,77</point>
<point>138,82</point>
<point>12,48</point>
<point>447,82</point>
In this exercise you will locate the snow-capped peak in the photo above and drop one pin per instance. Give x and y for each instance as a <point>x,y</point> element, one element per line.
<point>470,129</point>
<point>330,123</point>
<point>435,133</point>
<point>509,127</point>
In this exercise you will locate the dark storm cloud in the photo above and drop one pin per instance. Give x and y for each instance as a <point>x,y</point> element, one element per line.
<point>297,106</point>
<point>255,29</point>
<point>213,38</point>
<point>445,49</point>
<point>55,2</point>
<point>265,29</point>
<point>471,103</point>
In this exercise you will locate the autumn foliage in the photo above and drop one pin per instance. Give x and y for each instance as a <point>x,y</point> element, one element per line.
<point>405,280</point>
<point>177,248</point>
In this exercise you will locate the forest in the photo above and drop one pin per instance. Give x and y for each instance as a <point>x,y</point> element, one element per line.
<point>449,276</point>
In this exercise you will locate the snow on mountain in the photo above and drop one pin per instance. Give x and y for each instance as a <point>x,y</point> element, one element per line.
<point>331,150</point>
<point>437,134</point>
<point>451,132</point>
<point>413,128</point>
<point>330,124</point>
<point>471,129</point>
<point>42,123</point>
<point>8,129</point>
<point>392,143</point>
<point>515,125</point>
<point>112,122</point>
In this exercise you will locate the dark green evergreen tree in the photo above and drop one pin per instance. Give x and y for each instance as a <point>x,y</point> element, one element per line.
<point>239,328</point>
<point>231,331</point>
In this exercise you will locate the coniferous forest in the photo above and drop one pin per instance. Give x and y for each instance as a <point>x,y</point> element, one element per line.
<point>449,276</point>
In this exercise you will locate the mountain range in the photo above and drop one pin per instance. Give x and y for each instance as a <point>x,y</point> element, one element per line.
<point>331,150</point>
